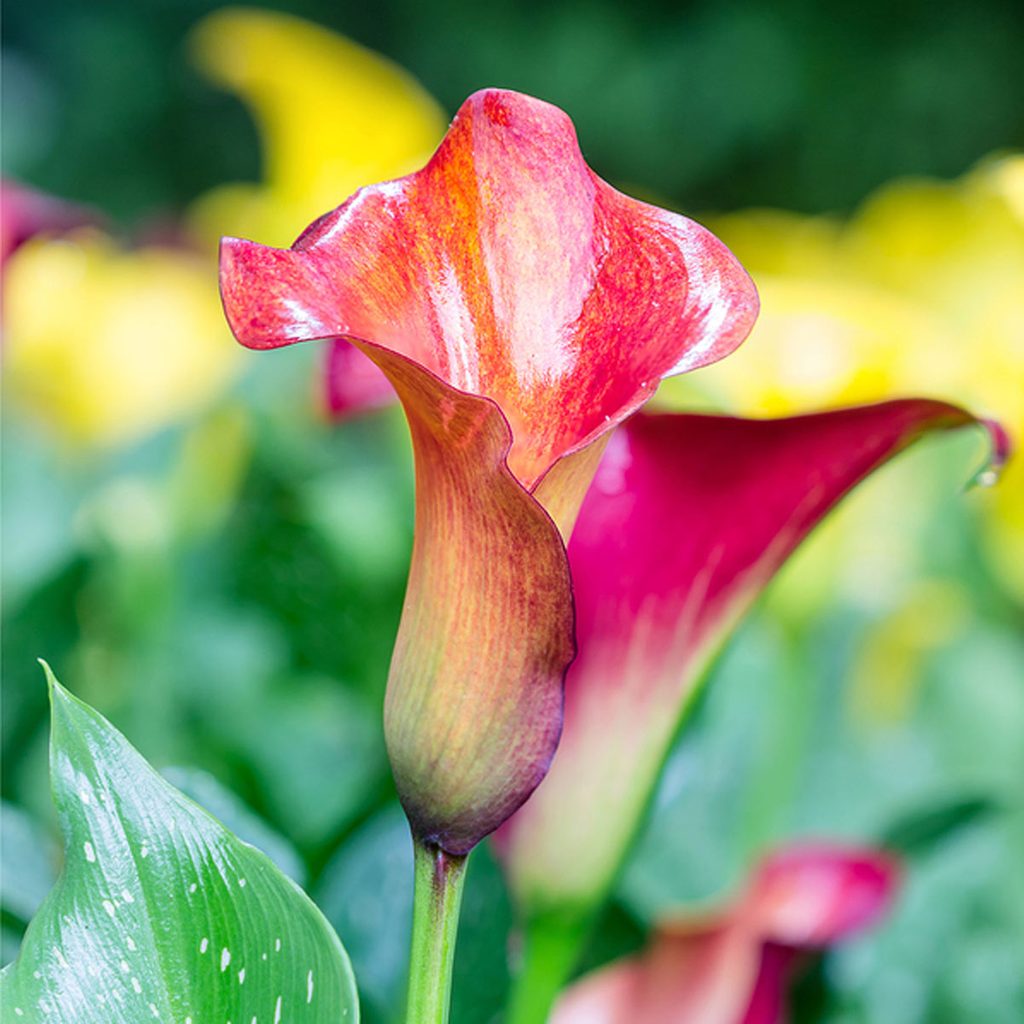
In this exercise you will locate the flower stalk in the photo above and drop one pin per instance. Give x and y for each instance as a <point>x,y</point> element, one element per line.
<point>437,898</point>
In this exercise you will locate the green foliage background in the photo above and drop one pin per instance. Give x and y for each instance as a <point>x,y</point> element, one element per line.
<point>250,641</point>
<point>796,104</point>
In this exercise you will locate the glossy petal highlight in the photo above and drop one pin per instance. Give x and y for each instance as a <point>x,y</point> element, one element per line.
<point>508,269</point>
<point>733,967</point>
<point>688,519</point>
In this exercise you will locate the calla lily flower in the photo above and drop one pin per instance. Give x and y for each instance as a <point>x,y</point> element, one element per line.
<point>733,967</point>
<point>521,308</point>
<point>688,519</point>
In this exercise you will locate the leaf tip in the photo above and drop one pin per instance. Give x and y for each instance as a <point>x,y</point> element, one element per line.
<point>52,685</point>
<point>62,703</point>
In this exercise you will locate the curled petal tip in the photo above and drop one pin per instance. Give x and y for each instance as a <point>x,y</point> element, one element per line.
<point>271,297</point>
<point>735,964</point>
<point>1000,450</point>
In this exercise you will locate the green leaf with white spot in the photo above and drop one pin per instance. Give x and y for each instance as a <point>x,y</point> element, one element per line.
<point>160,913</point>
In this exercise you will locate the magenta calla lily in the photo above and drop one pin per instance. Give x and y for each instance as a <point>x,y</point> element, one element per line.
<point>28,212</point>
<point>521,308</point>
<point>733,966</point>
<point>354,383</point>
<point>688,518</point>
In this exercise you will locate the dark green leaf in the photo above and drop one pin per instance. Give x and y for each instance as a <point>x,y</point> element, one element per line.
<point>924,828</point>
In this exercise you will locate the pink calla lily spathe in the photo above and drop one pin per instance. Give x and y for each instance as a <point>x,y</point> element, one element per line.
<point>354,384</point>
<point>521,308</point>
<point>687,520</point>
<point>733,966</point>
<point>26,212</point>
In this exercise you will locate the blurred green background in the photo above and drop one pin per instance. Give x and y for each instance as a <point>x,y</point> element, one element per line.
<point>795,104</point>
<point>221,572</point>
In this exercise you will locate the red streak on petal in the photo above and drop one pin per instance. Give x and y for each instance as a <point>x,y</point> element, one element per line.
<point>508,269</point>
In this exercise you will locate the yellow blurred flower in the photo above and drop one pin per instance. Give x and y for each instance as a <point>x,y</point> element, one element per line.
<point>109,344</point>
<point>106,344</point>
<point>332,116</point>
<point>921,292</point>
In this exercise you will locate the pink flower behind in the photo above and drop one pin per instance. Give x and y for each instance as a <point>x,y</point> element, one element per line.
<point>688,519</point>
<point>733,966</point>
<point>27,212</point>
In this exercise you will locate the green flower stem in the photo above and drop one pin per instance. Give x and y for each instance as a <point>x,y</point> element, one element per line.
<point>552,946</point>
<point>435,924</point>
